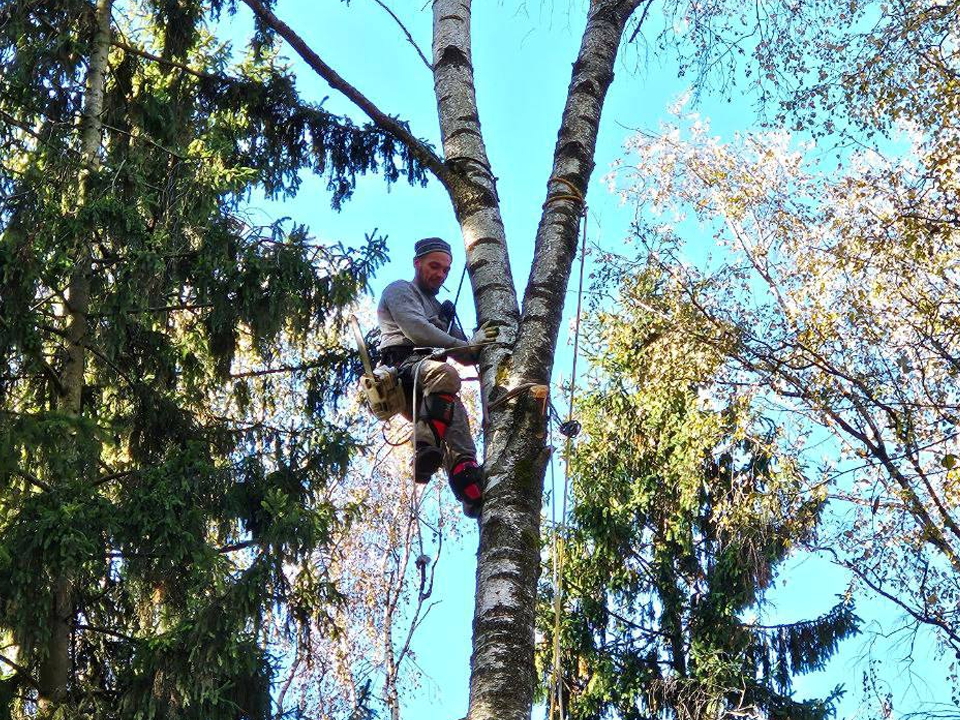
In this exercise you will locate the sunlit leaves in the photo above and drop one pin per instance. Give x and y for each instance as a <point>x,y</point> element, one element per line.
<point>685,502</point>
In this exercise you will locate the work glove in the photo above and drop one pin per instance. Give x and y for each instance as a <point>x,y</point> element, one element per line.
<point>485,334</point>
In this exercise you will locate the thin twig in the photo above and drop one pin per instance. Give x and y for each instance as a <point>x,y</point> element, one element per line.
<point>407,33</point>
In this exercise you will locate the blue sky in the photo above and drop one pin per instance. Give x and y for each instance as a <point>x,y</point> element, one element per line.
<point>522,60</point>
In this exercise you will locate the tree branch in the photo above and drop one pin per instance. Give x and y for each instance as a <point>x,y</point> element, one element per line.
<point>11,120</point>
<point>106,631</point>
<point>20,670</point>
<point>918,616</point>
<point>277,370</point>
<point>33,480</point>
<point>104,479</point>
<point>171,63</point>
<point>636,31</point>
<point>386,122</point>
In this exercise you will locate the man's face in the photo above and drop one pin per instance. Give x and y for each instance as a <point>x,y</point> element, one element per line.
<point>432,269</point>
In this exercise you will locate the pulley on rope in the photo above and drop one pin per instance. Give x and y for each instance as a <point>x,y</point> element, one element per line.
<point>569,429</point>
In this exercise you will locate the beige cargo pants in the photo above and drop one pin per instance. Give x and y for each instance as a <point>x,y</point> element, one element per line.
<point>441,377</point>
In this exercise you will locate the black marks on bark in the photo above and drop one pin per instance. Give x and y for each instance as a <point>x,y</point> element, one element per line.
<point>495,285</point>
<point>471,198</point>
<point>592,120</point>
<point>453,56</point>
<point>463,131</point>
<point>486,240</point>
<point>542,290</point>
<point>587,87</point>
<point>572,150</point>
<point>476,265</point>
<point>605,79</point>
<point>469,117</point>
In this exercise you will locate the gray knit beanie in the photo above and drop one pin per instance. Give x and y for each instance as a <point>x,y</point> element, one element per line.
<point>429,245</point>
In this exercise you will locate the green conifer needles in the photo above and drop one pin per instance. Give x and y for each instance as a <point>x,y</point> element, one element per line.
<point>685,502</point>
<point>170,523</point>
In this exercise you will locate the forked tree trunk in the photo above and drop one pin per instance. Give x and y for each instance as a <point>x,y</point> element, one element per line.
<point>54,676</point>
<point>502,668</point>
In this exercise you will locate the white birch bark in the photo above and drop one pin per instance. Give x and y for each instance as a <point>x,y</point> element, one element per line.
<point>470,181</point>
<point>502,668</point>
<point>54,677</point>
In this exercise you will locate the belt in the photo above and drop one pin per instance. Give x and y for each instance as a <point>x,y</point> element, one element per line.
<point>395,354</point>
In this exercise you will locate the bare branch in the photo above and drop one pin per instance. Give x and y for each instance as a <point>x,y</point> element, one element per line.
<point>926,619</point>
<point>20,670</point>
<point>106,631</point>
<point>104,479</point>
<point>636,31</point>
<point>33,480</point>
<point>407,33</point>
<point>277,370</point>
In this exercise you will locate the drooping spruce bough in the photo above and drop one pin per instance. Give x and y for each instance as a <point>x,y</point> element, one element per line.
<point>151,507</point>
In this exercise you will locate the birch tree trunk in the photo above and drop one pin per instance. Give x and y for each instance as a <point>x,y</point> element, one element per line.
<point>502,667</point>
<point>54,677</point>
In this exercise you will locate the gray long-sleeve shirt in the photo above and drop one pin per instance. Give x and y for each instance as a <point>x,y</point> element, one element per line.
<point>408,316</point>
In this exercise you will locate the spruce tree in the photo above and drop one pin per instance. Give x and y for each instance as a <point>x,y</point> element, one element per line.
<point>685,502</point>
<point>151,505</point>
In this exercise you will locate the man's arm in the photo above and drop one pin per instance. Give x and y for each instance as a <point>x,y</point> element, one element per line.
<point>407,311</point>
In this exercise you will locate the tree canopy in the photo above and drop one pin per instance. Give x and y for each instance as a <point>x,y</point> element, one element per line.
<point>155,516</point>
<point>685,502</point>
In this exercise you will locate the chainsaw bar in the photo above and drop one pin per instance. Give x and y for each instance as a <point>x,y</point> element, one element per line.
<point>361,345</point>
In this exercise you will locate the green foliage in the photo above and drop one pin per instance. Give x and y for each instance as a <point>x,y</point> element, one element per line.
<point>685,502</point>
<point>181,516</point>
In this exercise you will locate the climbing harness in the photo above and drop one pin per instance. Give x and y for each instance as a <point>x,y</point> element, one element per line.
<point>380,386</point>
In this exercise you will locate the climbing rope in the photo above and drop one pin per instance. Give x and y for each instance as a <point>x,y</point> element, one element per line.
<point>456,301</point>
<point>569,428</point>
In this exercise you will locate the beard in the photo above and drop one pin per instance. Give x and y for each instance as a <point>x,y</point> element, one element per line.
<point>427,287</point>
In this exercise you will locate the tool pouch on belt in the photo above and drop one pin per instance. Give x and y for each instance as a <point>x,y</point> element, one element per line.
<point>383,392</point>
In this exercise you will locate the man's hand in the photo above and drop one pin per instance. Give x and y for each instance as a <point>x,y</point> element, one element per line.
<point>485,334</point>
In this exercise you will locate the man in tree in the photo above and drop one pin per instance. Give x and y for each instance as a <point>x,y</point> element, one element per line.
<point>413,323</point>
